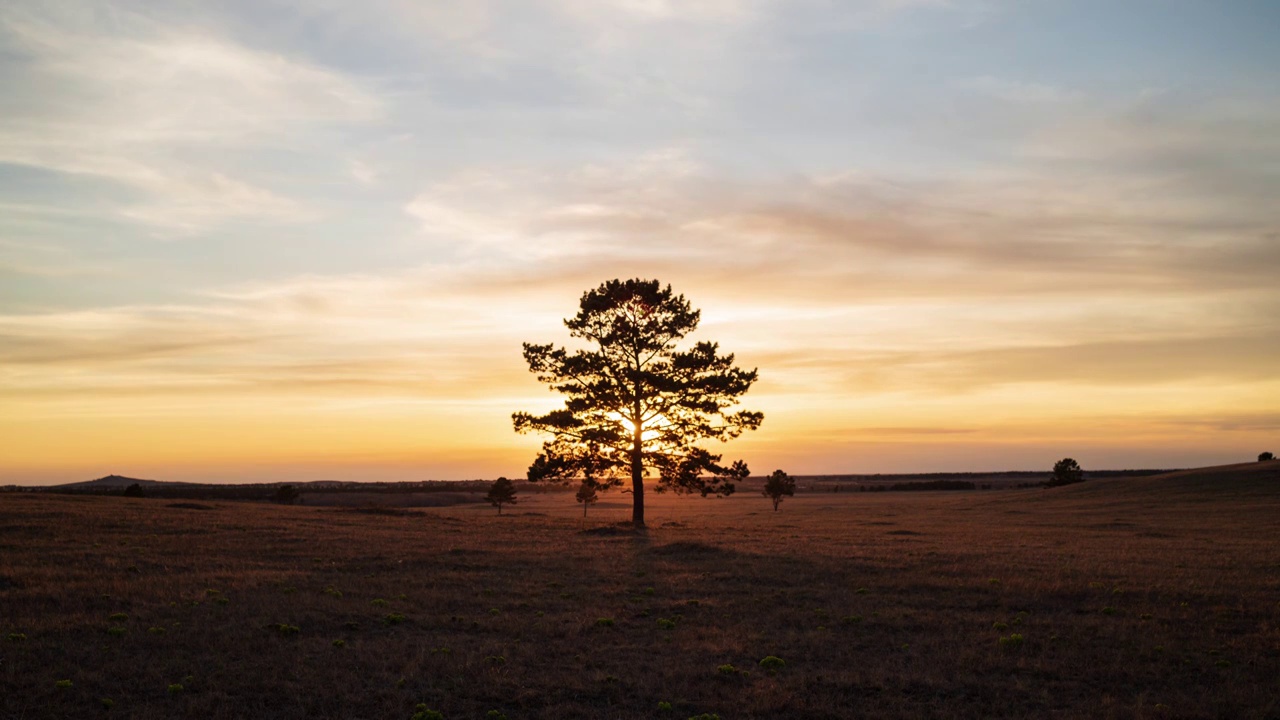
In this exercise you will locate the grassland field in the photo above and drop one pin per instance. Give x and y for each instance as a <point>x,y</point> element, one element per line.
<point>1149,597</point>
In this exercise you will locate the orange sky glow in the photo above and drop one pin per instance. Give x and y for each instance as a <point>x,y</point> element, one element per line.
<point>245,242</point>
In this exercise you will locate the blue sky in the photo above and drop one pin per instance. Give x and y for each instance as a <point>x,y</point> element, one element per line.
<point>951,234</point>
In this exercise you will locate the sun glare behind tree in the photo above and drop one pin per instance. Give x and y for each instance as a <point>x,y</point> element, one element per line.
<point>635,403</point>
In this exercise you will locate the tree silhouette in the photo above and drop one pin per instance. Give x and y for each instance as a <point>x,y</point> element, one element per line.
<point>777,486</point>
<point>1065,472</point>
<point>634,402</point>
<point>134,490</point>
<point>1266,456</point>
<point>502,492</point>
<point>587,494</point>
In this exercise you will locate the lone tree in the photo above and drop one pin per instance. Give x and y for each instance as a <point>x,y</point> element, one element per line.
<point>1266,456</point>
<point>587,494</point>
<point>134,490</point>
<point>778,486</point>
<point>502,492</point>
<point>633,402</point>
<point>1066,472</point>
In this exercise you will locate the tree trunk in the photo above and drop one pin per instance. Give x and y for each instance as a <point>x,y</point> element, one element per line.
<point>637,477</point>
<point>584,509</point>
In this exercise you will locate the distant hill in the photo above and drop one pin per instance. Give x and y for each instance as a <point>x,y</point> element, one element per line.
<point>111,481</point>
<point>1242,480</point>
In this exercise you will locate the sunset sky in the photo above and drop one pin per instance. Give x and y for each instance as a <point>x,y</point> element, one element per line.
<point>268,240</point>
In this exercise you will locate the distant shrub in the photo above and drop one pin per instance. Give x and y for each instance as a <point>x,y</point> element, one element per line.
<point>339,643</point>
<point>423,713</point>
<point>604,622</point>
<point>495,611</point>
<point>664,706</point>
<point>156,630</point>
<point>175,688</point>
<point>1266,456</point>
<point>62,684</point>
<point>285,629</point>
<point>999,626</point>
<point>134,491</point>
<point>647,591</point>
<point>930,485</point>
<point>495,715</point>
<point>727,669</point>
<point>861,591</point>
<point>116,631</point>
<point>286,495</point>
<point>378,602</point>
<point>1065,472</point>
<point>17,637</point>
<point>772,664</point>
<point>107,703</point>
<point>1108,610</point>
<point>332,591</point>
<point>1012,641</point>
<point>666,624</point>
<point>393,619</point>
<point>117,617</point>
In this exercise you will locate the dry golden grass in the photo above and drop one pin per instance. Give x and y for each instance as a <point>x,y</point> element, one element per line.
<point>1152,597</point>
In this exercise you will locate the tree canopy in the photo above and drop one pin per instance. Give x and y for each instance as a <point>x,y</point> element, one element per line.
<point>634,402</point>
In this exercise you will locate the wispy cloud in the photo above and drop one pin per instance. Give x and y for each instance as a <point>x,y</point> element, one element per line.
<point>1017,91</point>
<point>149,107</point>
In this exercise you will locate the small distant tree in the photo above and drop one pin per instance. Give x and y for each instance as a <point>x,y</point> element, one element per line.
<point>587,495</point>
<point>778,486</point>
<point>134,490</point>
<point>1266,456</point>
<point>286,495</point>
<point>503,492</point>
<point>1066,472</point>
